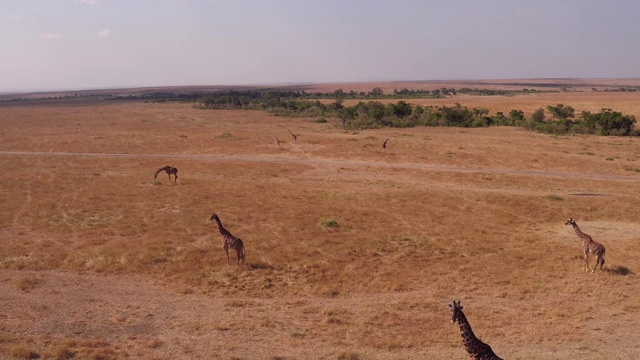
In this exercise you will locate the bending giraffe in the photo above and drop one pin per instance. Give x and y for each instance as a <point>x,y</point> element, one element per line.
<point>229,241</point>
<point>476,349</point>
<point>170,170</point>
<point>589,246</point>
<point>294,137</point>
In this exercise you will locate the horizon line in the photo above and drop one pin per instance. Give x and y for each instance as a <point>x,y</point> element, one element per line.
<point>125,87</point>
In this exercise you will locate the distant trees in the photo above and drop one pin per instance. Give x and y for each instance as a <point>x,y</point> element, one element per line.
<point>374,114</point>
<point>538,116</point>
<point>608,122</point>
<point>516,116</point>
<point>376,92</point>
<point>561,112</point>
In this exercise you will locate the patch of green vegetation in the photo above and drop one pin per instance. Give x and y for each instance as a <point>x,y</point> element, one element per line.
<point>225,135</point>
<point>331,223</point>
<point>555,197</point>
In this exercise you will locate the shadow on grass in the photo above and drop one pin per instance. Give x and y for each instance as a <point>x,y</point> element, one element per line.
<point>619,270</point>
<point>262,266</point>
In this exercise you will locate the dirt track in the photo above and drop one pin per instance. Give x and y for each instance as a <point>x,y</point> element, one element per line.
<point>334,162</point>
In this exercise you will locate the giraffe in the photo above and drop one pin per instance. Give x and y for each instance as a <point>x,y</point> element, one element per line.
<point>170,170</point>
<point>275,139</point>
<point>384,145</point>
<point>477,349</point>
<point>589,246</point>
<point>229,241</point>
<point>294,137</point>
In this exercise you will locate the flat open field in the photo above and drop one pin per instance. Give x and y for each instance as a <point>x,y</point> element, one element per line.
<point>351,252</point>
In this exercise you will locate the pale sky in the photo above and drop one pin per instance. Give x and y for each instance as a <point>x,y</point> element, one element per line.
<point>81,44</point>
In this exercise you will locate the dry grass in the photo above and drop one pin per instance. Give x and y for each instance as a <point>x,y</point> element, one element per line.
<point>351,253</point>
<point>27,282</point>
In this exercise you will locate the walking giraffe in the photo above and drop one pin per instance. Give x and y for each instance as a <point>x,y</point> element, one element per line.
<point>384,145</point>
<point>170,170</point>
<point>294,137</point>
<point>476,349</point>
<point>275,139</point>
<point>589,246</point>
<point>229,241</point>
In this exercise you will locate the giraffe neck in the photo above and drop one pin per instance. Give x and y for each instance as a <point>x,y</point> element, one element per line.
<point>468,337</point>
<point>224,232</point>
<point>581,235</point>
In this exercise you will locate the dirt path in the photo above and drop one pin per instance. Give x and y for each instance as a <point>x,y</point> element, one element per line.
<point>334,162</point>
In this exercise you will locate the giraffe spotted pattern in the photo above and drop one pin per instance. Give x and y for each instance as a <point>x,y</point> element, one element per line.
<point>589,246</point>
<point>229,241</point>
<point>476,349</point>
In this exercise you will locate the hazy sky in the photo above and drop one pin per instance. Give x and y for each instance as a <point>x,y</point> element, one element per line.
<point>77,44</point>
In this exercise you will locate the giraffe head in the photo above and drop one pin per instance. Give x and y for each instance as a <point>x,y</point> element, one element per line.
<point>214,216</point>
<point>570,222</point>
<point>456,310</point>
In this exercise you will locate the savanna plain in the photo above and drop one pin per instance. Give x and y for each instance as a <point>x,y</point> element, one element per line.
<point>351,252</point>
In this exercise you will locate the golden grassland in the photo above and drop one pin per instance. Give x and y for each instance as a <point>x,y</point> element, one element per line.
<point>352,253</point>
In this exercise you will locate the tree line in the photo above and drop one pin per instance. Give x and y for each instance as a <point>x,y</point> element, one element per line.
<point>559,119</point>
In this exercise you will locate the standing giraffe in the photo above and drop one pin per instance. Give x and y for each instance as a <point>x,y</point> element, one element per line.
<point>294,137</point>
<point>384,145</point>
<point>477,349</point>
<point>588,247</point>
<point>170,170</point>
<point>229,241</point>
<point>275,139</point>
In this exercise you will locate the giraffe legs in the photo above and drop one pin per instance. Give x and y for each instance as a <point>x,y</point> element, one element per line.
<point>240,255</point>
<point>586,262</point>
<point>599,260</point>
